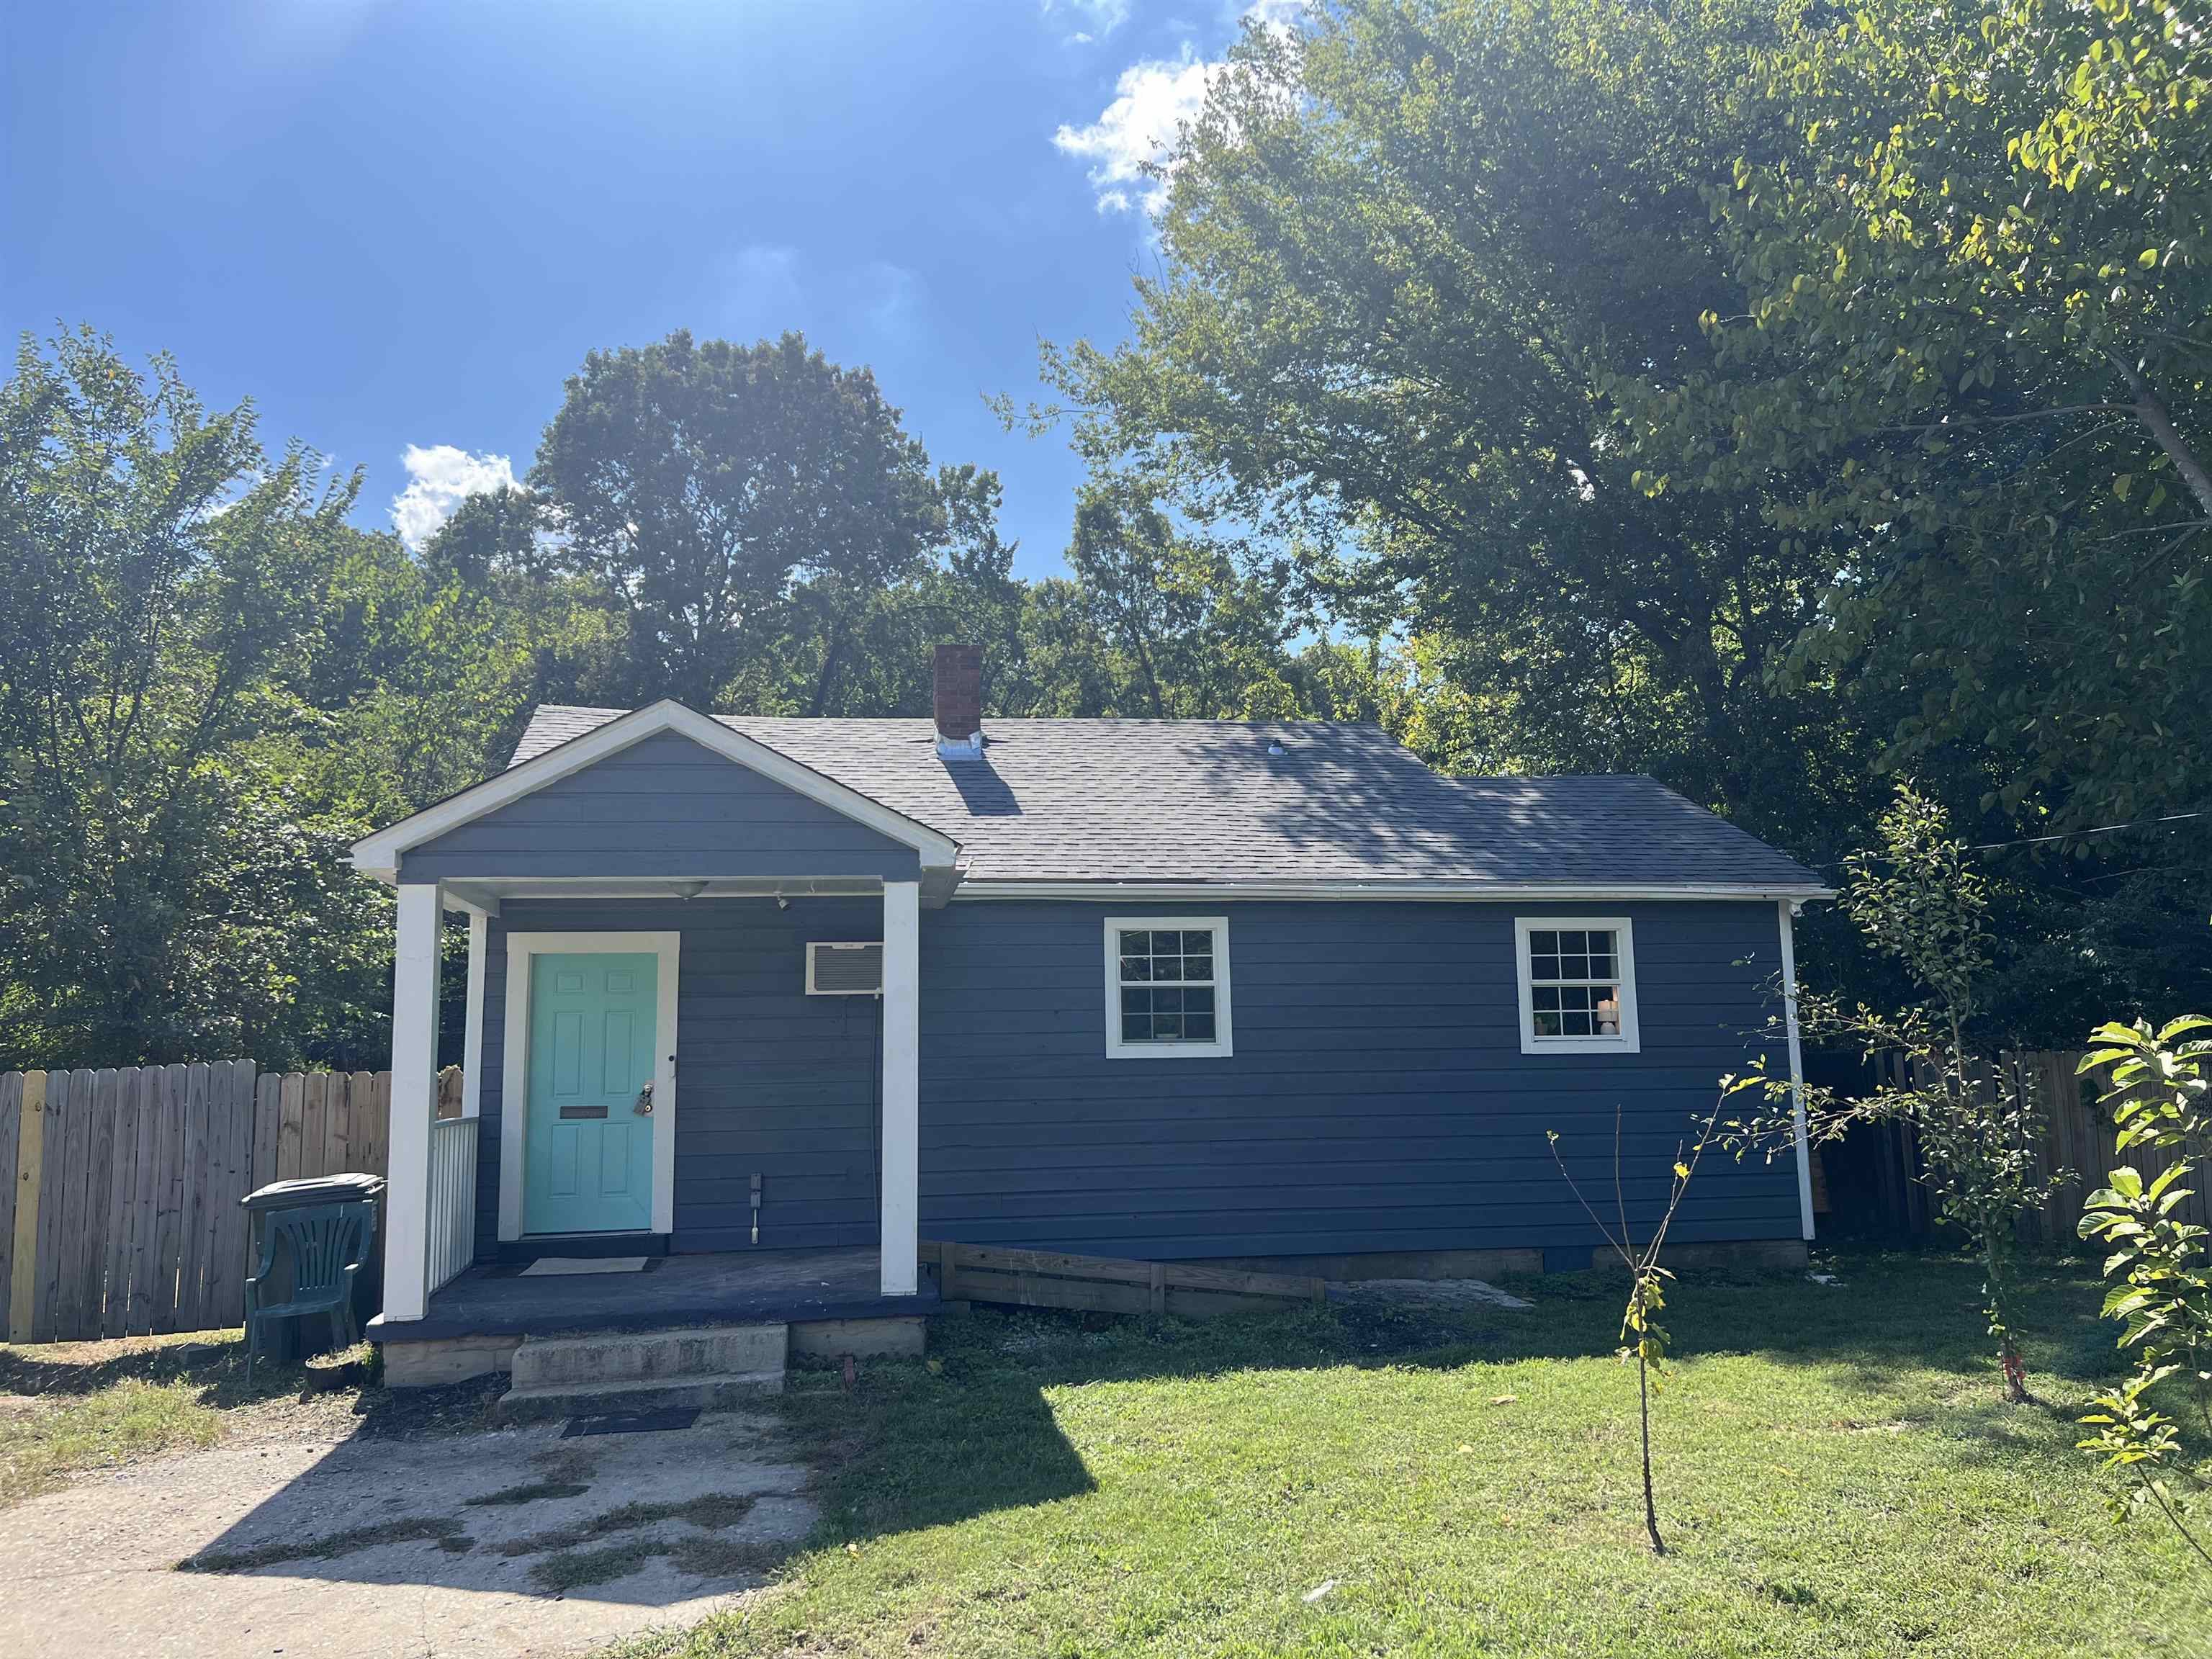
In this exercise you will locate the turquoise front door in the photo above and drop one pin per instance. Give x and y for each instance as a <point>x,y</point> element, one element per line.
<point>587,1163</point>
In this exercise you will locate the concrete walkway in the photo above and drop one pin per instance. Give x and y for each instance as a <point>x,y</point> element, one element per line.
<point>374,1547</point>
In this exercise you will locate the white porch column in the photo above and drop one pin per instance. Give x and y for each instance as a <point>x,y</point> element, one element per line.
<point>1797,1070</point>
<point>901,1214</point>
<point>414,1102</point>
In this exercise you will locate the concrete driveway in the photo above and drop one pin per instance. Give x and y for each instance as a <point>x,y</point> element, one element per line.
<point>510,1542</point>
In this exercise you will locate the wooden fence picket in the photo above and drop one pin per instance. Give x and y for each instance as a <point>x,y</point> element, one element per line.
<point>314,1123</point>
<point>120,1091</point>
<point>290,1113</point>
<point>226,1290</point>
<point>146,1185</point>
<point>261,1165</point>
<point>11,1120</point>
<point>53,1185</point>
<point>70,1233</point>
<point>169,1201</point>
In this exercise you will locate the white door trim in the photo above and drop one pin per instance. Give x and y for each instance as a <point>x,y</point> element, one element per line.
<point>514,1073</point>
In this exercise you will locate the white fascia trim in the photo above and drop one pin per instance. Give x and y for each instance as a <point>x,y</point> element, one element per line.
<point>515,1076</point>
<point>1222,1046</point>
<point>378,854</point>
<point>493,889</point>
<point>1630,1041</point>
<point>1426,892</point>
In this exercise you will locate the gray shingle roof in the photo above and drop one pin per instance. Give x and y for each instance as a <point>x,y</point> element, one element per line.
<point>1063,801</point>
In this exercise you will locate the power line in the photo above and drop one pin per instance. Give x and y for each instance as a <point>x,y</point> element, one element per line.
<point>2101,829</point>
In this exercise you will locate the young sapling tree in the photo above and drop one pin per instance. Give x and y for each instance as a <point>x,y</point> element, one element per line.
<point>1979,1116</point>
<point>1642,1338</point>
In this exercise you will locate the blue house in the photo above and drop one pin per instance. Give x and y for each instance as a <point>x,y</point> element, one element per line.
<point>797,995</point>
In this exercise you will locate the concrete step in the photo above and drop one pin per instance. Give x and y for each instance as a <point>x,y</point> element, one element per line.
<point>628,1399</point>
<point>616,1358</point>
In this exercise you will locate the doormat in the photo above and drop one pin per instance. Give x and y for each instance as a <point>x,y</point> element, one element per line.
<point>642,1423</point>
<point>547,1266</point>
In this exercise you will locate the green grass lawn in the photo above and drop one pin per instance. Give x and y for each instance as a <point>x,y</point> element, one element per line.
<point>1837,1476</point>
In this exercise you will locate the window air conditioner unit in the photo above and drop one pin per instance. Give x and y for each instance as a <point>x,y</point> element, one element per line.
<point>849,970</point>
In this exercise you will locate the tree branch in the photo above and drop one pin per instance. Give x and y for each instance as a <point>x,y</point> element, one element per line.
<point>2151,411</point>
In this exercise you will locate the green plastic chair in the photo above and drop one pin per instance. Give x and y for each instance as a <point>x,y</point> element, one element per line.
<point>328,1244</point>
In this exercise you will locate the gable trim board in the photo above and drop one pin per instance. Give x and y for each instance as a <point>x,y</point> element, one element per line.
<point>514,1076</point>
<point>380,854</point>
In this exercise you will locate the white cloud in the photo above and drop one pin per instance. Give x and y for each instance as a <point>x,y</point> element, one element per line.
<point>891,294</point>
<point>439,479</point>
<point>1098,18</point>
<point>1152,99</point>
<point>763,285</point>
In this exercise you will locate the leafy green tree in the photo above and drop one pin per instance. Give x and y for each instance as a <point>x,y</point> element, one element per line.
<point>160,893</point>
<point>1977,322</point>
<point>707,489</point>
<point>1410,254</point>
<point>1161,623</point>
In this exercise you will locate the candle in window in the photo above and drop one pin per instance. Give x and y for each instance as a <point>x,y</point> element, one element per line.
<point>1609,1016</point>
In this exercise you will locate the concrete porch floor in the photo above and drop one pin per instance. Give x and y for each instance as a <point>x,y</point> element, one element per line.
<point>730,1288</point>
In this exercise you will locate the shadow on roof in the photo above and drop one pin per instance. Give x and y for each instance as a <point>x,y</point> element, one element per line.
<point>984,792</point>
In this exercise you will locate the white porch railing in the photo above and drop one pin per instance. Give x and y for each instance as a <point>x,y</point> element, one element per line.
<point>453,1197</point>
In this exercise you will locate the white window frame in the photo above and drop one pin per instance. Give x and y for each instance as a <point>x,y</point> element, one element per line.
<point>1624,932</point>
<point>1220,1047</point>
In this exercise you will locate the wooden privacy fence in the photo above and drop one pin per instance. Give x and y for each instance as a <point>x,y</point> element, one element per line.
<point>1873,1179</point>
<point>122,1216</point>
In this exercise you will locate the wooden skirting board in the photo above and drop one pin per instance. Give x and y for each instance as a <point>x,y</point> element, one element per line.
<point>1097,1283</point>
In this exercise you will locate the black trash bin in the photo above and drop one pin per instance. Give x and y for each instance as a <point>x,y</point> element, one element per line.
<point>262,1202</point>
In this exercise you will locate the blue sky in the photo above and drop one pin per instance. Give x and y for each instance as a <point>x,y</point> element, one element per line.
<point>398,226</point>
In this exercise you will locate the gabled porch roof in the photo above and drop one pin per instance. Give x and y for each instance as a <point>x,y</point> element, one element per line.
<point>382,854</point>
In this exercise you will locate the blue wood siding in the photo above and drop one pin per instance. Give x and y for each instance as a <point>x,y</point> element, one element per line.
<point>664,806</point>
<point>769,1079</point>
<point>1377,1098</point>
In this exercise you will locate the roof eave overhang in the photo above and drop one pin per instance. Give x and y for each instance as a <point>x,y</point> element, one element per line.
<point>379,854</point>
<point>1417,891</point>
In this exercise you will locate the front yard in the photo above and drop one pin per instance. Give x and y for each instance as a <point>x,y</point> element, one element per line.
<point>1838,1477</point>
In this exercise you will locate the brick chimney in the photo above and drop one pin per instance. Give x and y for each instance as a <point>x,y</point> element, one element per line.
<point>958,700</point>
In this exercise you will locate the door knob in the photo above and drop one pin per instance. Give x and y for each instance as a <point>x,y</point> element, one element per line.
<point>643,1107</point>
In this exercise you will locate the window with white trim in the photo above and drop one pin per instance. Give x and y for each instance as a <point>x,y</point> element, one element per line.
<point>1577,980</point>
<point>1167,986</point>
